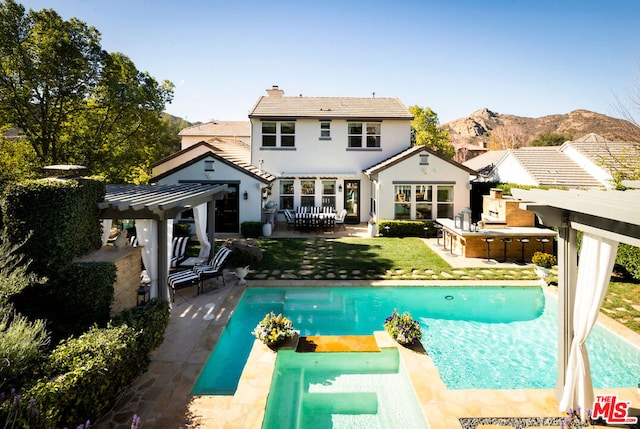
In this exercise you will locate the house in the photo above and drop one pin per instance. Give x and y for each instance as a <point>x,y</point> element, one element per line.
<point>218,161</point>
<point>588,162</point>
<point>354,154</point>
<point>340,152</point>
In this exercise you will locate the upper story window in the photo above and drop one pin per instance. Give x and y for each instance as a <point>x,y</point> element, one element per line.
<point>325,130</point>
<point>278,134</point>
<point>364,134</point>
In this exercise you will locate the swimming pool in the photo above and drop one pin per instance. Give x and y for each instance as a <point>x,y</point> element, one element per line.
<point>467,331</point>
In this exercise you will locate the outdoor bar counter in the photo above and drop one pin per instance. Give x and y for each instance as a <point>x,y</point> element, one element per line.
<point>516,243</point>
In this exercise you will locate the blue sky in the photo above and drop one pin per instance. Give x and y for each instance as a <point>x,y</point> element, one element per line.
<point>523,57</point>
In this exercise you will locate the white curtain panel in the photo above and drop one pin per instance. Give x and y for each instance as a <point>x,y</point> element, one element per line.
<point>200,217</point>
<point>106,229</point>
<point>597,256</point>
<point>147,232</point>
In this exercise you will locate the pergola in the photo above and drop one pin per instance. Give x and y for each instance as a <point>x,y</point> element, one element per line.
<point>606,218</point>
<point>155,207</point>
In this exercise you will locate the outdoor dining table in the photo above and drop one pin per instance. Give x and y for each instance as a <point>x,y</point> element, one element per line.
<point>315,221</point>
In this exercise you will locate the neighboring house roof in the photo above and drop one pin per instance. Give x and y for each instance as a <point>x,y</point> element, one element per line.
<point>235,154</point>
<point>219,128</point>
<point>548,166</point>
<point>330,108</point>
<point>606,154</point>
<point>485,161</point>
<point>13,134</point>
<point>399,157</point>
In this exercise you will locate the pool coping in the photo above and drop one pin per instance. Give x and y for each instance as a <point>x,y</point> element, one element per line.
<point>441,407</point>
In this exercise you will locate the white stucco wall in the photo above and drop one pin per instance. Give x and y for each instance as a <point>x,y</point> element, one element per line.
<point>409,171</point>
<point>328,158</point>
<point>509,170</point>
<point>312,155</point>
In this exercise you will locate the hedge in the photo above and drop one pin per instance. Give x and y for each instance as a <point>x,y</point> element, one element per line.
<point>85,375</point>
<point>405,228</point>
<point>60,218</point>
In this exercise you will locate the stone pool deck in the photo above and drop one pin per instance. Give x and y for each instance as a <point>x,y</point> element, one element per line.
<point>161,395</point>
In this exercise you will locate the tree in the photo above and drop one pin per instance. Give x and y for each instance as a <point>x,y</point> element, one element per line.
<point>551,139</point>
<point>508,136</point>
<point>47,70</point>
<point>425,131</point>
<point>76,103</point>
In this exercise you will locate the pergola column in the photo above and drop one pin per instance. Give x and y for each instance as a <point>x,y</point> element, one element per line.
<point>567,273</point>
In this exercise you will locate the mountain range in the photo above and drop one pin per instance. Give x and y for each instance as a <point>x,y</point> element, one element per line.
<point>476,128</point>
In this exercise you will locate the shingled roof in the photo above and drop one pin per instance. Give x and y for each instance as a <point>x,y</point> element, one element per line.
<point>330,108</point>
<point>219,128</point>
<point>548,166</point>
<point>606,154</point>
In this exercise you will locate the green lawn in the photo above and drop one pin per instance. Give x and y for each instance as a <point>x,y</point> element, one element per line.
<point>366,258</point>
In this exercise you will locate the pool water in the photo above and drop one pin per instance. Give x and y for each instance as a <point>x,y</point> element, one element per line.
<point>341,390</point>
<point>467,331</point>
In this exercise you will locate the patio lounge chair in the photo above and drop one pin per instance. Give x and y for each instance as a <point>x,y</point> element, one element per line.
<point>178,251</point>
<point>214,268</point>
<point>289,218</point>
<point>340,219</point>
<point>199,273</point>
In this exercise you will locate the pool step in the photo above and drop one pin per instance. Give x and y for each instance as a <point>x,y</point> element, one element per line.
<point>340,403</point>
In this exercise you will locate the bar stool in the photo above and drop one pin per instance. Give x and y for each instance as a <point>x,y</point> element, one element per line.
<point>505,241</point>
<point>523,241</point>
<point>488,240</point>
<point>542,242</point>
<point>438,232</point>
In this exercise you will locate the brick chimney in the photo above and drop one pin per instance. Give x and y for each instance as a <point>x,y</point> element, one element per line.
<point>275,92</point>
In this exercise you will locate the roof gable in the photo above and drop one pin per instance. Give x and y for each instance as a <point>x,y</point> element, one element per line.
<point>408,153</point>
<point>232,154</point>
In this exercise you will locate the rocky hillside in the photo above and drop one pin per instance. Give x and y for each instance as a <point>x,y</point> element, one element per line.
<point>477,127</point>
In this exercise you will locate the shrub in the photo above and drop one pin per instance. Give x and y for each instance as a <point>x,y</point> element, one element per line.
<point>628,258</point>
<point>85,375</point>
<point>544,260</point>
<point>251,229</point>
<point>21,346</point>
<point>405,228</point>
<point>181,229</point>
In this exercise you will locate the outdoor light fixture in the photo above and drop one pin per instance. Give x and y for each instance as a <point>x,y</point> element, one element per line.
<point>339,188</point>
<point>245,195</point>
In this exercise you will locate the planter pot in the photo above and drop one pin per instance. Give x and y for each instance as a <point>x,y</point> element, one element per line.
<point>266,230</point>
<point>372,230</point>
<point>241,273</point>
<point>542,272</point>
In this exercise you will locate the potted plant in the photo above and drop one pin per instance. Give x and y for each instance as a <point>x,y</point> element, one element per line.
<point>543,263</point>
<point>274,330</point>
<point>403,328</point>
<point>241,260</point>
<point>372,228</point>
